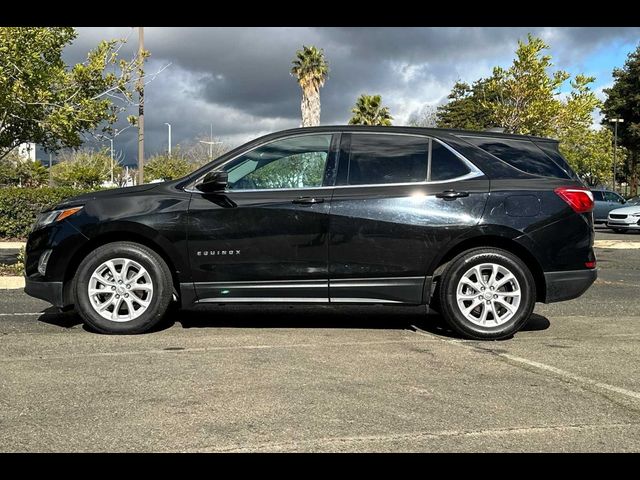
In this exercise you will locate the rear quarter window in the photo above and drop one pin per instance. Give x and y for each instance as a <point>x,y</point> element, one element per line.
<point>521,154</point>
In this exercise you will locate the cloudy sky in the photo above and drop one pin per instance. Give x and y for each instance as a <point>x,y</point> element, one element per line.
<point>238,78</point>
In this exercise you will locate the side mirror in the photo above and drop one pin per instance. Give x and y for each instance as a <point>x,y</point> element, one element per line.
<point>214,182</point>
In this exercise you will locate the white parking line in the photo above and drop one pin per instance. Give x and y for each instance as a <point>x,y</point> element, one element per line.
<point>27,313</point>
<point>333,442</point>
<point>572,376</point>
<point>540,366</point>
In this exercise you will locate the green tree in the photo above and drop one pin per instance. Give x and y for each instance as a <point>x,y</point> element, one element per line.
<point>310,69</point>
<point>42,100</point>
<point>623,101</point>
<point>164,167</point>
<point>588,151</point>
<point>590,154</point>
<point>83,169</point>
<point>468,108</point>
<point>369,111</point>
<point>524,98</point>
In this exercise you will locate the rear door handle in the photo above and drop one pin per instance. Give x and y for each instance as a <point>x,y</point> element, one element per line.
<point>307,200</point>
<point>451,194</point>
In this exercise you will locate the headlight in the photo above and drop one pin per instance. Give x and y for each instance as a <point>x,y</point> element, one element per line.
<point>635,214</point>
<point>47,218</point>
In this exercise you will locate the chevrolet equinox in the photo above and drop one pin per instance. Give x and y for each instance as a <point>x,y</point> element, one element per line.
<point>478,225</point>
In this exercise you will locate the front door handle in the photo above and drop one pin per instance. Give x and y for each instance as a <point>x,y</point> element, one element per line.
<point>451,194</point>
<point>307,200</point>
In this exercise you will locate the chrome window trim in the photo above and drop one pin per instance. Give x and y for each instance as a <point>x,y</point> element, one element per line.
<point>474,171</point>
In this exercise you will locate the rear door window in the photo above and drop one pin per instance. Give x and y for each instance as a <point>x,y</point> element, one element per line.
<point>521,154</point>
<point>598,196</point>
<point>380,158</point>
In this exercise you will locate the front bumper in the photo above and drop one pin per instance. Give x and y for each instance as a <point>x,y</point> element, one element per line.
<point>624,223</point>
<point>563,286</point>
<point>50,291</point>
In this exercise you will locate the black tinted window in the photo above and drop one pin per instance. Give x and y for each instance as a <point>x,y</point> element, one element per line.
<point>387,159</point>
<point>551,149</point>
<point>521,154</point>
<point>445,164</point>
<point>598,196</point>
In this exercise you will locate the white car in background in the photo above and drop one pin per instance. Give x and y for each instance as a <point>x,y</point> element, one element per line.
<point>626,218</point>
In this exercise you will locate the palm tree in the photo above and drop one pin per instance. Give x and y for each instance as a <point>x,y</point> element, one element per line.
<point>369,111</point>
<point>311,70</point>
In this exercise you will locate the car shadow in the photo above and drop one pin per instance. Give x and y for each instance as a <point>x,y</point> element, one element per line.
<point>297,316</point>
<point>53,316</point>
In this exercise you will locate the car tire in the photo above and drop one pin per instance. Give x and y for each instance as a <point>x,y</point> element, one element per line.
<point>510,286</point>
<point>137,286</point>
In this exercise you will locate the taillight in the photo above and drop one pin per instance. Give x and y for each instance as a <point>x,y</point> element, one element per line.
<point>580,199</point>
<point>591,264</point>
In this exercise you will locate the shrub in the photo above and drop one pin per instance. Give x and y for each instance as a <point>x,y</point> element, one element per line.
<point>83,169</point>
<point>20,206</point>
<point>165,167</point>
<point>21,172</point>
<point>17,268</point>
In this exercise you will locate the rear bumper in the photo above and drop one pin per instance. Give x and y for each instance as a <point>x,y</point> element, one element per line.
<point>563,286</point>
<point>49,291</point>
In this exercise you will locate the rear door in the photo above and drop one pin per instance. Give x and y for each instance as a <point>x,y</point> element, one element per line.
<point>399,199</point>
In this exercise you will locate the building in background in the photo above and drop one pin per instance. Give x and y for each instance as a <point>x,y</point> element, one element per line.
<point>27,151</point>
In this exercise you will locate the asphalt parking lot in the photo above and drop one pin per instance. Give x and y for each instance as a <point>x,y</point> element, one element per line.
<point>283,379</point>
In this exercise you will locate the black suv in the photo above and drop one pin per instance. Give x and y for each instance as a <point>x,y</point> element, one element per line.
<point>478,225</point>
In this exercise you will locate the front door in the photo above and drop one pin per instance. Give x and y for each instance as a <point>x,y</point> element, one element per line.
<point>265,237</point>
<point>398,201</point>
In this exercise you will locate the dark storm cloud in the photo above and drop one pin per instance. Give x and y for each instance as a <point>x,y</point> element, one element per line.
<point>238,78</point>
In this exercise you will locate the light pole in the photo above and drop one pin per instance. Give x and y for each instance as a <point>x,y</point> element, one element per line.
<point>210,143</point>
<point>169,125</point>
<point>111,151</point>
<point>140,89</point>
<point>615,147</point>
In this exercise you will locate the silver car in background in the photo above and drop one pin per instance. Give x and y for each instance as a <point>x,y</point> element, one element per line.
<point>626,218</point>
<point>603,202</point>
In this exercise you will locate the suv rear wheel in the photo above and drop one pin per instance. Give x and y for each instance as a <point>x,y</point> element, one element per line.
<point>487,294</point>
<point>123,288</point>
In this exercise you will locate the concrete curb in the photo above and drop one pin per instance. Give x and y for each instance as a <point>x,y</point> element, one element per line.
<point>617,244</point>
<point>12,245</point>
<point>12,282</point>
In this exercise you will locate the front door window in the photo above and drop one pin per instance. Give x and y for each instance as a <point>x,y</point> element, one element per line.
<point>291,163</point>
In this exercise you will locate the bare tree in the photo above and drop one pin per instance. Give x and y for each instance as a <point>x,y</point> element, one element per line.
<point>423,117</point>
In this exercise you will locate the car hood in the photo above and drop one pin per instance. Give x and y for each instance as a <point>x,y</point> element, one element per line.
<point>627,210</point>
<point>102,194</point>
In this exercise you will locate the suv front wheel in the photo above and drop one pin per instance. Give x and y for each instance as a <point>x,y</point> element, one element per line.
<point>487,294</point>
<point>122,288</point>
